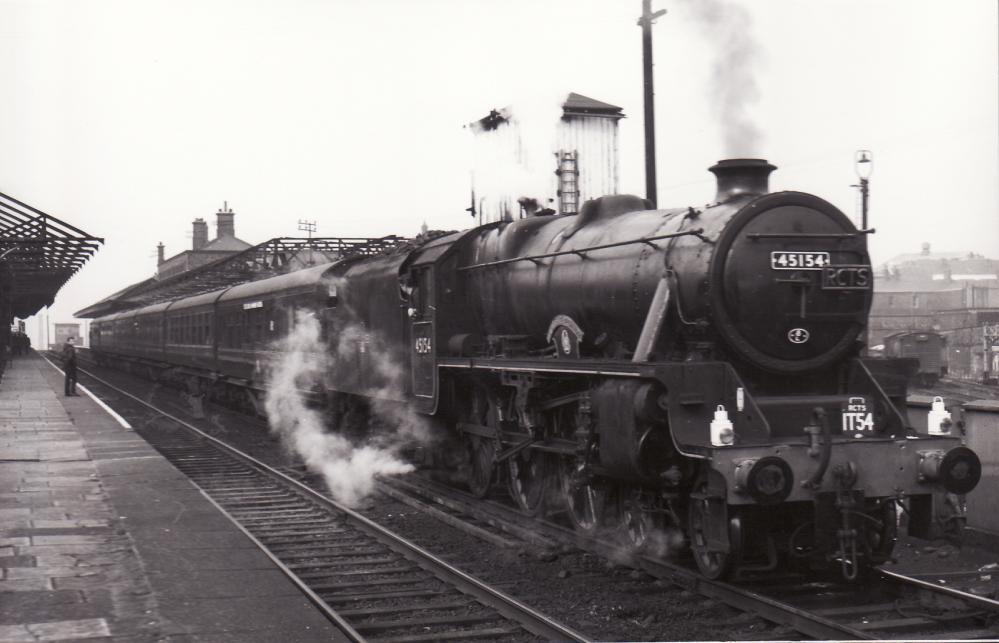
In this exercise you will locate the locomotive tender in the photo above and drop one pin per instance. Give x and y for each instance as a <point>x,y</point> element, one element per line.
<point>695,370</point>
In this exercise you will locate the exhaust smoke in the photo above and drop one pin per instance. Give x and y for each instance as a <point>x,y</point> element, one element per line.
<point>728,27</point>
<point>348,467</point>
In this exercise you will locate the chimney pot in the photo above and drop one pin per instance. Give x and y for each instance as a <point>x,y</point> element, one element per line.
<point>200,237</point>
<point>739,177</point>
<point>225,226</point>
<point>160,253</point>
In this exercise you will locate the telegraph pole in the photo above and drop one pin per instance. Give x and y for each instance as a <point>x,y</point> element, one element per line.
<point>307,226</point>
<point>645,22</point>
<point>864,165</point>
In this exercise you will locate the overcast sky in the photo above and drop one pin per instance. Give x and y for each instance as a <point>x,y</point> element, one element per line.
<point>130,118</point>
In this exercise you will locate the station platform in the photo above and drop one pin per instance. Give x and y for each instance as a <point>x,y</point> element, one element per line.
<point>101,539</point>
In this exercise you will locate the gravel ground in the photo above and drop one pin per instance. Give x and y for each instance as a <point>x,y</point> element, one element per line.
<point>600,599</point>
<point>937,561</point>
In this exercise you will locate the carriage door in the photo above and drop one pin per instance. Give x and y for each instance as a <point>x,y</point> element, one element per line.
<point>421,318</point>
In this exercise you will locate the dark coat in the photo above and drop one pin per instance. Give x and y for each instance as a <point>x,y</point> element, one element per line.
<point>68,355</point>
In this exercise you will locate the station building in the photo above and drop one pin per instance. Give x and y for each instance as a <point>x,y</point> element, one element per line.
<point>202,253</point>
<point>227,261</point>
<point>955,294</point>
<point>202,250</point>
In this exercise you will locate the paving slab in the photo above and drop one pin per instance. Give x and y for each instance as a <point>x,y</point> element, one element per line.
<point>103,540</point>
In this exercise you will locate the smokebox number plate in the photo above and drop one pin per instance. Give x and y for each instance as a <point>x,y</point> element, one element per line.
<point>791,260</point>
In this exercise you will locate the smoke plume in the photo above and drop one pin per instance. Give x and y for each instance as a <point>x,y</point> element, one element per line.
<point>516,160</point>
<point>349,468</point>
<point>728,27</point>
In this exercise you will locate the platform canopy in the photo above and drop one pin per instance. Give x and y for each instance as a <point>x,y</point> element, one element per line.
<point>38,254</point>
<point>273,257</point>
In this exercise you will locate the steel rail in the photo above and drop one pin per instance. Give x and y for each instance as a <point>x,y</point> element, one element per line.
<point>975,600</point>
<point>744,598</point>
<point>770,609</point>
<point>509,607</point>
<point>323,607</point>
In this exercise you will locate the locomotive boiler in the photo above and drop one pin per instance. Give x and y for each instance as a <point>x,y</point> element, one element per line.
<point>694,372</point>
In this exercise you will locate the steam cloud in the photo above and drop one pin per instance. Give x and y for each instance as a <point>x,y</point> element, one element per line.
<point>531,136</point>
<point>349,469</point>
<point>728,27</point>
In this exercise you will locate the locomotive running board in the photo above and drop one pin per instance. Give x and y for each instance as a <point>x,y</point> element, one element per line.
<point>578,367</point>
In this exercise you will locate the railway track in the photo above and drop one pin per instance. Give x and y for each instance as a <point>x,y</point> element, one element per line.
<point>294,524</point>
<point>375,585</point>
<point>885,605</point>
<point>962,390</point>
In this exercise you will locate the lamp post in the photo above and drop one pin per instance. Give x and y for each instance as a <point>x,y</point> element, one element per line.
<point>864,166</point>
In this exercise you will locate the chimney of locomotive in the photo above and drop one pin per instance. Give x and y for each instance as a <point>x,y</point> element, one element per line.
<point>199,238</point>
<point>225,226</point>
<point>738,177</point>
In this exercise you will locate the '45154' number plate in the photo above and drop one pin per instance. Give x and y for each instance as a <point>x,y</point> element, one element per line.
<point>792,260</point>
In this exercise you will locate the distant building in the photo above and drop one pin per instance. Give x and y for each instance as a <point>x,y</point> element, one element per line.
<point>202,250</point>
<point>953,293</point>
<point>63,332</point>
<point>531,160</point>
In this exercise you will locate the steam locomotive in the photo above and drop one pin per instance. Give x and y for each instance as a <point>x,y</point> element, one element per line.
<point>689,371</point>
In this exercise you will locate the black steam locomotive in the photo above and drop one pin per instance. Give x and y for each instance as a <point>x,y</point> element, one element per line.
<point>693,370</point>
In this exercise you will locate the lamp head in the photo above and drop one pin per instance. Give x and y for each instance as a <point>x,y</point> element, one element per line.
<point>864,163</point>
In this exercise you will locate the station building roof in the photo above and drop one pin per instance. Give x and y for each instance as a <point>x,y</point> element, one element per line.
<point>277,256</point>
<point>38,255</point>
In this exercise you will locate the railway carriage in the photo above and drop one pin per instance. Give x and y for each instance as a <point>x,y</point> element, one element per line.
<point>186,330</point>
<point>693,370</point>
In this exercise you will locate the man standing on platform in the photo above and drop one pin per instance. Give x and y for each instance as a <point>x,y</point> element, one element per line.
<point>69,366</point>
